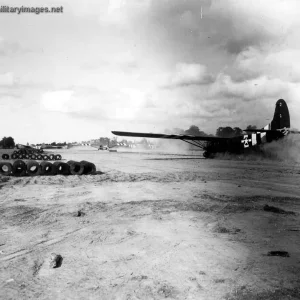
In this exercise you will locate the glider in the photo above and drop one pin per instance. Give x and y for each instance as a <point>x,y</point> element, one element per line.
<point>278,128</point>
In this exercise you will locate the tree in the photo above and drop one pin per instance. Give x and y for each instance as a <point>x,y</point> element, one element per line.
<point>229,132</point>
<point>250,127</point>
<point>104,141</point>
<point>144,141</point>
<point>237,131</point>
<point>225,132</point>
<point>194,130</point>
<point>112,142</point>
<point>7,142</point>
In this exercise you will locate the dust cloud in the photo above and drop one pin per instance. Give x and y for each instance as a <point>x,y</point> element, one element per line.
<point>174,146</point>
<point>284,150</point>
<point>166,147</point>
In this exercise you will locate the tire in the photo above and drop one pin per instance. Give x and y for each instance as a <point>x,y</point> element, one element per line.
<point>14,156</point>
<point>39,157</point>
<point>19,168</point>
<point>47,169</point>
<point>5,156</point>
<point>22,151</point>
<point>26,156</point>
<point>62,168</point>
<point>33,168</point>
<point>51,156</point>
<point>45,157</point>
<point>33,156</point>
<point>5,168</point>
<point>58,157</point>
<point>21,156</point>
<point>75,167</point>
<point>88,167</point>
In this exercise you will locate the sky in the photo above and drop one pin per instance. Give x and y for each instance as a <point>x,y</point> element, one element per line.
<point>146,66</point>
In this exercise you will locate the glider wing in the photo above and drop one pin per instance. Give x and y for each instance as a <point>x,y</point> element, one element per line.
<point>170,136</point>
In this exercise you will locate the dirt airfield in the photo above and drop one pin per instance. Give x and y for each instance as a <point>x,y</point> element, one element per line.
<point>153,226</point>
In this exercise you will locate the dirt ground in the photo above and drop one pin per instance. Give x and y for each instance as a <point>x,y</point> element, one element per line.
<point>152,226</point>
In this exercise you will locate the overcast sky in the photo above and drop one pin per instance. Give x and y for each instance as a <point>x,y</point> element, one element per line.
<point>146,65</point>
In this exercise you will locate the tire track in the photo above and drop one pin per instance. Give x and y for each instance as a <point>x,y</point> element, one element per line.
<point>33,248</point>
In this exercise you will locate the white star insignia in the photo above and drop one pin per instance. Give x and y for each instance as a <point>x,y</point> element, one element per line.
<point>246,141</point>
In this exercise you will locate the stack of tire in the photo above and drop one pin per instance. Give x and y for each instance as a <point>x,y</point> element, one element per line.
<point>45,168</point>
<point>31,154</point>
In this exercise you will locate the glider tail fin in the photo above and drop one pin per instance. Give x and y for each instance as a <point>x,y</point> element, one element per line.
<point>280,120</point>
<point>281,117</point>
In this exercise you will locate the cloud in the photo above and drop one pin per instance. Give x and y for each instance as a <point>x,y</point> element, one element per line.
<point>7,79</point>
<point>10,48</point>
<point>121,11</point>
<point>261,87</point>
<point>90,102</point>
<point>191,30</point>
<point>188,74</point>
<point>255,23</point>
<point>58,101</point>
<point>278,63</point>
<point>131,107</point>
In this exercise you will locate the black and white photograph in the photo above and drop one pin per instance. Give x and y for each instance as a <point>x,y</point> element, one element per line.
<point>150,149</point>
